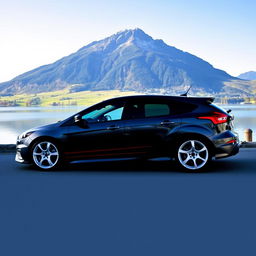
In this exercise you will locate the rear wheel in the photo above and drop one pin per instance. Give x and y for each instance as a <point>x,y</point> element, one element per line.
<point>193,154</point>
<point>45,155</point>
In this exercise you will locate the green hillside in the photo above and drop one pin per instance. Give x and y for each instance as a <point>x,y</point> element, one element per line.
<point>61,98</point>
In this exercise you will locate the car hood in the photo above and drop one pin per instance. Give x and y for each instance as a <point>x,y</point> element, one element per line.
<point>45,127</point>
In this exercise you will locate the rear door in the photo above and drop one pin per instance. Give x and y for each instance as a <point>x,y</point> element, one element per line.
<point>149,123</point>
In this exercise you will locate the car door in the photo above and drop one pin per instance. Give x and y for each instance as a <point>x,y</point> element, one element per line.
<point>100,137</point>
<point>149,123</point>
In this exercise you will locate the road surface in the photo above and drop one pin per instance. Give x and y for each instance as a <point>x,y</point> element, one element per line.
<point>129,208</point>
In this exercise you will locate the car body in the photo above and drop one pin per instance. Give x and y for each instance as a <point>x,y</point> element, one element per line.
<point>190,129</point>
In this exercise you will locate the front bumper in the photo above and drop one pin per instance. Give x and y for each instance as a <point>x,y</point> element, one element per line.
<point>22,154</point>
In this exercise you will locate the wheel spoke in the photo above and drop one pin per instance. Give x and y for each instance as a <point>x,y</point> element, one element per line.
<point>41,161</point>
<point>192,143</point>
<point>203,159</point>
<point>184,151</point>
<point>195,164</point>
<point>50,161</point>
<point>202,149</point>
<point>186,160</point>
<point>39,145</point>
<point>37,154</point>
<point>54,154</point>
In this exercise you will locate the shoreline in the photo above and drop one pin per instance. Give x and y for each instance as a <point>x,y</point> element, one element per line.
<point>11,148</point>
<point>82,105</point>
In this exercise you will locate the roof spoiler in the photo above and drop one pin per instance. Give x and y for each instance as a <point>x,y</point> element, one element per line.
<point>208,100</point>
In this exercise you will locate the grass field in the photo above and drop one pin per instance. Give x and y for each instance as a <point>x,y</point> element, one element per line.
<point>62,98</point>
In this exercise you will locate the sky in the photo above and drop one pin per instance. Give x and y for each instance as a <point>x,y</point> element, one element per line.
<point>35,33</point>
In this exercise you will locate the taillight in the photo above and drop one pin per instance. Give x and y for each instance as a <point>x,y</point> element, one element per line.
<point>231,141</point>
<point>216,117</point>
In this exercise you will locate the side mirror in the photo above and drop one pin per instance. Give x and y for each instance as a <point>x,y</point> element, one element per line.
<point>77,119</point>
<point>80,122</point>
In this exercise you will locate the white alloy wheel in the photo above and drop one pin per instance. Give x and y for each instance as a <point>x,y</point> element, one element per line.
<point>193,154</point>
<point>45,155</point>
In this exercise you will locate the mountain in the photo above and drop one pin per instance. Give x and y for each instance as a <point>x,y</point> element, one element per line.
<point>251,75</point>
<point>127,60</point>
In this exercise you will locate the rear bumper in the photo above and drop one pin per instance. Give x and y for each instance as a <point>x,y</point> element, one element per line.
<point>226,144</point>
<point>227,150</point>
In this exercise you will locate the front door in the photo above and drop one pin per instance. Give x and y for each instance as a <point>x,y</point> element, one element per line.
<point>100,137</point>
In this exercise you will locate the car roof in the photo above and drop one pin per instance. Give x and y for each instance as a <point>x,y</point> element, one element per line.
<point>167,97</point>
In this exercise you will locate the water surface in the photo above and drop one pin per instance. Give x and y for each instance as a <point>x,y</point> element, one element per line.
<point>15,120</point>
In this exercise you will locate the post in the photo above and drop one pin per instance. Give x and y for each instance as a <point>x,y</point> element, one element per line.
<point>248,135</point>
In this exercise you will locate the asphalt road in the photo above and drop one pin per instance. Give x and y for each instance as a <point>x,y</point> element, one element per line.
<point>129,208</point>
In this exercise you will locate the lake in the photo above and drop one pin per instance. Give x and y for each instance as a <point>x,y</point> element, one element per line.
<point>15,120</point>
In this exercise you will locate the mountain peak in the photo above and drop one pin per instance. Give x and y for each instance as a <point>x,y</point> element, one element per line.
<point>131,34</point>
<point>122,38</point>
<point>250,75</point>
<point>127,60</point>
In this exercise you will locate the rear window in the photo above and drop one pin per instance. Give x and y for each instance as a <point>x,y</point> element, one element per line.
<point>155,109</point>
<point>183,107</point>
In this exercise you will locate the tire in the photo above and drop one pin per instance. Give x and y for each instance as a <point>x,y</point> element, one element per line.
<point>46,155</point>
<point>193,155</point>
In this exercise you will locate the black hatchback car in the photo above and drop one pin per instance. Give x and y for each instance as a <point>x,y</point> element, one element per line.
<point>191,130</point>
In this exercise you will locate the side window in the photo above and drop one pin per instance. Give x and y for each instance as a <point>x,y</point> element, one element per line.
<point>143,110</point>
<point>115,114</point>
<point>133,111</point>
<point>155,109</point>
<point>104,113</point>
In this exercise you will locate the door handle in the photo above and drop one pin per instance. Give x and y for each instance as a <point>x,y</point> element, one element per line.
<point>166,122</point>
<point>113,127</point>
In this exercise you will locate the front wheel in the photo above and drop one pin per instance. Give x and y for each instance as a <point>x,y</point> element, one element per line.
<point>45,155</point>
<point>193,154</point>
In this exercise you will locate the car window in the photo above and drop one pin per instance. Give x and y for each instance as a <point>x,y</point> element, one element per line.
<point>104,113</point>
<point>155,109</point>
<point>145,110</point>
<point>115,114</point>
<point>133,111</point>
<point>182,107</point>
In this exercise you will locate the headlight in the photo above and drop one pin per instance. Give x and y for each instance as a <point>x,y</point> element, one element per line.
<point>25,135</point>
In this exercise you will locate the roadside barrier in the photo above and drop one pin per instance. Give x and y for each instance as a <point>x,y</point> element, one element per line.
<point>248,135</point>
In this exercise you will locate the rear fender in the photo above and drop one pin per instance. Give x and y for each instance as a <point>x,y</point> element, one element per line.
<point>197,129</point>
<point>188,132</point>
